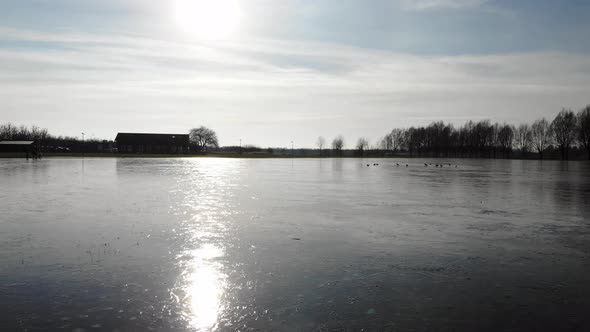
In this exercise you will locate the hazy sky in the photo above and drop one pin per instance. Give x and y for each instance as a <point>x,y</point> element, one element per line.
<point>272,71</point>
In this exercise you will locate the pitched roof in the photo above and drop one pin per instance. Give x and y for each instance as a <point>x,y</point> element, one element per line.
<point>16,142</point>
<point>143,138</point>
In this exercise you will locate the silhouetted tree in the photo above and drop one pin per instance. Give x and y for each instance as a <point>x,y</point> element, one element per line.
<point>563,128</point>
<point>484,136</point>
<point>203,138</point>
<point>338,144</point>
<point>320,143</point>
<point>505,139</point>
<point>412,139</point>
<point>583,118</point>
<point>7,131</point>
<point>397,137</point>
<point>361,145</point>
<point>541,136</point>
<point>386,143</point>
<point>523,138</point>
<point>45,142</point>
<point>478,139</point>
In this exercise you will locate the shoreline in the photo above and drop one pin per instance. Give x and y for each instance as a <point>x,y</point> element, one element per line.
<point>247,156</point>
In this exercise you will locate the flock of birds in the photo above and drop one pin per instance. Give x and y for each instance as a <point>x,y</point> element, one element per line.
<point>425,165</point>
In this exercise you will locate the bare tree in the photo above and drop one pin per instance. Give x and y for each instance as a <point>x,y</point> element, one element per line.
<point>386,143</point>
<point>397,138</point>
<point>495,143</point>
<point>523,138</point>
<point>23,133</point>
<point>541,134</point>
<point>361,145</point>
<point>320,143</point>
<point>563,128</point>
<point>583,118</point>
<point>35,133</point>
<point>203,138</point>
<point>505,138</point>
<point>338,144</point>
<point>5,131</point>
<point>383,145</point>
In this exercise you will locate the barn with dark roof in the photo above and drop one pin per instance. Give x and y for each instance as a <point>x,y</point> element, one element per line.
<point>152,143</point>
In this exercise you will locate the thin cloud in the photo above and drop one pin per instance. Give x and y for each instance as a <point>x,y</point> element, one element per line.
<point>442,4</point>
<point>264,86</point>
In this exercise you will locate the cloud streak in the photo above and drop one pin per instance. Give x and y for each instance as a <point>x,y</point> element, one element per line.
<point>442,4</point>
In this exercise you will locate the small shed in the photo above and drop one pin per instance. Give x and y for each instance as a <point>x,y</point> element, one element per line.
<point>26,147</point>
<point>17,146</point>
<point>152,143</point>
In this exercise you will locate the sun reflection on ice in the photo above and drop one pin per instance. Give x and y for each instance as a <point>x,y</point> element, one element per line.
<point>199,294</point>
<point>204,288</point>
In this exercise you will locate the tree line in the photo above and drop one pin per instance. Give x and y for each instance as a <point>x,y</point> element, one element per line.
<point>49,143</point>
<point>567,132</point>
<point>482,139</point>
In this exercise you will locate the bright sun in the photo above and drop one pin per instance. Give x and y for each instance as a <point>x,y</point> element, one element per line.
<point>208,19</point>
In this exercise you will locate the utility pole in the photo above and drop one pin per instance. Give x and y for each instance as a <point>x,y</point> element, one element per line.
<point>83,143</point>
<point>292,153</point>
<point>240,146</point>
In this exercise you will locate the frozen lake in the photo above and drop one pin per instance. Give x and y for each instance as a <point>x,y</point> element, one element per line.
<point>293,245</point>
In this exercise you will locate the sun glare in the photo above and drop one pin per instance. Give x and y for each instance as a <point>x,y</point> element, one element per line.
<point>208,19</point>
